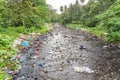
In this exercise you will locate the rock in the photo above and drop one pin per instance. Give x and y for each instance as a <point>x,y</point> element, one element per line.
<point>24,70</point>
<point>22,58</point>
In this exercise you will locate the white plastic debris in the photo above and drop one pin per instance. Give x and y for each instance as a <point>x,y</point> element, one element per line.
<point>105,46</point>
<point>50,52</point>
<point>10,72</point>
<point>83,69</point>
<point>17,42</point>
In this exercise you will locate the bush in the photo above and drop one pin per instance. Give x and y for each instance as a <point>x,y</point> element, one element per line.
<point>4,40</point>
<point>91,22</point>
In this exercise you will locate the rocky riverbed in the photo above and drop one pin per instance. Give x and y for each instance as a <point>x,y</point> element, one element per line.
<point>68,54</point>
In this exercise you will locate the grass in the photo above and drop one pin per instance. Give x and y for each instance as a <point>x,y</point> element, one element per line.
<point>4,76</point>
<point>99,30</point>
<point>7,36</point>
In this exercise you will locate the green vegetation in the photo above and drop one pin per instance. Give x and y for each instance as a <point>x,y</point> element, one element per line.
<point>19,17</point>
<point>98,31</point>
<point>7,35</point>
<point>25,13</point>
<point>98,16</point>
<point>25,16</point>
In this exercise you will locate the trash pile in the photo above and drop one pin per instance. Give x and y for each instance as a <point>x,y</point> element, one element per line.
<point>111,46</point>
<point>61,55</point>
<point>27,57</point>
<point>24,40</point>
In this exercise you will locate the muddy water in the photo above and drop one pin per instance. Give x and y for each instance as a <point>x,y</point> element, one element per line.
<point>63,60</point>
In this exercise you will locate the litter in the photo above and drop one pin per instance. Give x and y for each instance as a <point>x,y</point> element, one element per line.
<point>10,72</point>
<point>35,57</point>
<point>41,65</point>
<point>83,69</point>
<point>17,42</point>
<point>116,46</point>
<point>25,43</point>
<point>82,47</point>
<point>18,56</point>
<point>13,59</point>
<point>50,52</point>
<point>37,51</point>
<point>105,46</point>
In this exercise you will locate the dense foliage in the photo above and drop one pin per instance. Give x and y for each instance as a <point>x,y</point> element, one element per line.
<point>111,20</point>
<point>25,13</point>
<point>96,13</point>
<point>18,17</point>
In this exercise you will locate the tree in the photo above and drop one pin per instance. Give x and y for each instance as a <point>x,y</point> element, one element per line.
<point>82,1</point>
<point>65,7</point>
<point>77,2</point>
<point>61,8</point>
<point>25,13</point>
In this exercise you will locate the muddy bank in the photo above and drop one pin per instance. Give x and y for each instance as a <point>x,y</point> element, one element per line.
<point>57,55</point>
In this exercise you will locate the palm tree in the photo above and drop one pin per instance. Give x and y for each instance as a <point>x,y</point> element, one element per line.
<point>82,1</point>
<point>65,7</point>
<point>77,2</point>
<point>61,8</point>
